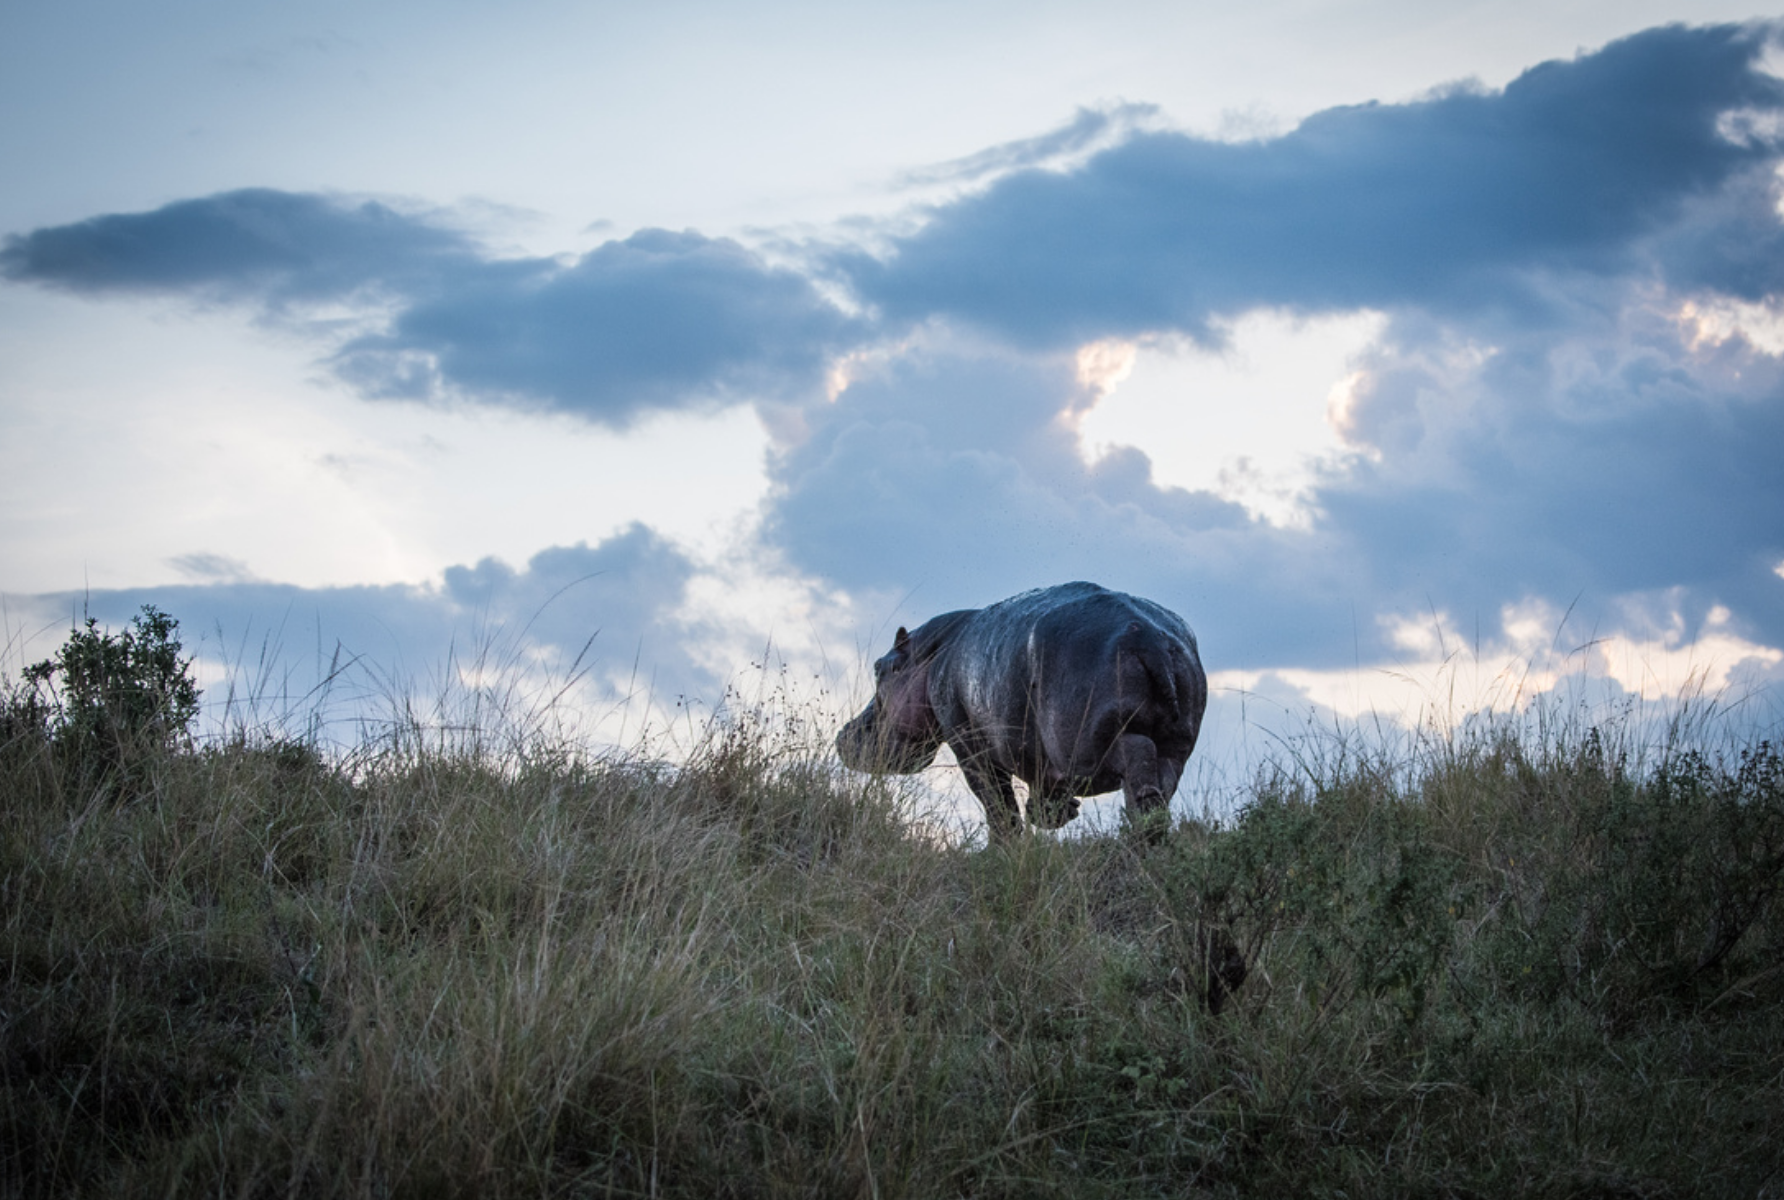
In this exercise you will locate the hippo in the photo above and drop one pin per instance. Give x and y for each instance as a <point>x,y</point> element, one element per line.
<point>1075,689</point>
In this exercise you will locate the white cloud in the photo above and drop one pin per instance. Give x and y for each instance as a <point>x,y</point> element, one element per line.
<point>1533,653</point>
<point>1712,321</point>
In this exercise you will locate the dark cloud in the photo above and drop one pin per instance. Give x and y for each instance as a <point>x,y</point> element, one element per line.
<point>256,244</point>
<point>658,320</point>
<point>1634,461</point>
<point>1445,202</point>
<point>1729,241</point>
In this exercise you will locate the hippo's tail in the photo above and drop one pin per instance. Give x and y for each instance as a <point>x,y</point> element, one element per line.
<point>1166,679</point>
<point>1155,657</point>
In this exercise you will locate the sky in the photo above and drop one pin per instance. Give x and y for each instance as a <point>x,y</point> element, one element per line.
<point>1416,353</point>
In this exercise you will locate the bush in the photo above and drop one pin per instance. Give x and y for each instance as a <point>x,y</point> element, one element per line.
<point>108,704</point>
<point>1666,888</point>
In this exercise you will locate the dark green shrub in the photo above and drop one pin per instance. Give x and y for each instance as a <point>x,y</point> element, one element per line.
<point>24,724</point>
<point>1668,890</point>
<point>109,703</point>
<point>1348,884</point>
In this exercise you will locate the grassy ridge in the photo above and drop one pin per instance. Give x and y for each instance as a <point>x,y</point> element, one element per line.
<point>1485,967</point>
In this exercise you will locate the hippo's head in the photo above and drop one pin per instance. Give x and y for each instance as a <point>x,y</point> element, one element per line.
<point>897,732</point>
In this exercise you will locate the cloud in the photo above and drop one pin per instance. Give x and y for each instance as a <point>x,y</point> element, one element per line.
<point>1622,460</point>
<point>619,593</point>
<point>658,320</point>
<point>212,568</point>
<point>1538,420</point>
<point>1729,241</point>
<point>1089,128</point>
<point>947,474</point>
<point>610,607</point>
<point>1628,468</point>
<point>1650,155</point>
<point>255,245</point>
<point>1448,202</point>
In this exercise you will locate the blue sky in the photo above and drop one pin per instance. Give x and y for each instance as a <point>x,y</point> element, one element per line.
<point>1391,344</point>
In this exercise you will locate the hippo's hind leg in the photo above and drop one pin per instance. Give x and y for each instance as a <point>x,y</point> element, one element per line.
<point>1147,779</point>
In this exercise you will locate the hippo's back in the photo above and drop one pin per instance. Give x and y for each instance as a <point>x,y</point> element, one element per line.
<point>1045,679</point>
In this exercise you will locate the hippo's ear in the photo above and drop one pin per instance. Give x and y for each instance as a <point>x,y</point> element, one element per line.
<point>901,640</point>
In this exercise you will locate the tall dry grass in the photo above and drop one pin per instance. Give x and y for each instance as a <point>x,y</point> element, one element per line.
<point>1499,962</point>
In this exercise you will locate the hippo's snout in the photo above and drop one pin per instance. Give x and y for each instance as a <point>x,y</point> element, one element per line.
<point>851,745</point>
<point>869,744</point>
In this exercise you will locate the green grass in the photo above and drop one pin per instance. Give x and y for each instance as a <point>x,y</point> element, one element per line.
<point>1487,965</point>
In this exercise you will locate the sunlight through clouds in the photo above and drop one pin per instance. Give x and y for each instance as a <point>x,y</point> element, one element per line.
<point>1247,419</point>
<point>1712,322</point>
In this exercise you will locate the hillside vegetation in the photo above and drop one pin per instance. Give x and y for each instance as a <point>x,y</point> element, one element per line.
<point>446,963</point>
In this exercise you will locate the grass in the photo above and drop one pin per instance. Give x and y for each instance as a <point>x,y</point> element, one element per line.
<point>1488,964</point>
